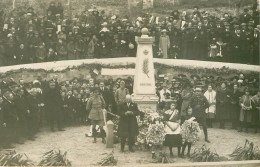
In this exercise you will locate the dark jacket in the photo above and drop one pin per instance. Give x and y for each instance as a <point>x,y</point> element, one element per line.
<point>128,126</point>
<point>52,101</point>
<point>199,103</point>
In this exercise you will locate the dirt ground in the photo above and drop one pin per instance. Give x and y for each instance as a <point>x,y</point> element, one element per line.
<point>81,151</point>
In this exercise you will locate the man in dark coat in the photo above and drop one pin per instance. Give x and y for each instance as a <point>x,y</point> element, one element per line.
<point>223,110</point>
<point>22,109</point>
<point>11,119</point>
<point>198,104</point>
<point>128,127</point>
<point>235,94</point>
<point>53,104</point>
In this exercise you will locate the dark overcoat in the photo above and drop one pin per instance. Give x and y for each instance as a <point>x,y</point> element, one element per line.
<point>223,104</point>
<point>128,126</point>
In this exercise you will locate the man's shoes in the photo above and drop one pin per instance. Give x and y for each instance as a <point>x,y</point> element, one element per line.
<point>60,129</point>
<point>52,129</point>
<point>207,140</point>
<point>122,150</point>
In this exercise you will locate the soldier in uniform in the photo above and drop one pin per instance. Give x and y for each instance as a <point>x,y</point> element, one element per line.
<point>198,104</point>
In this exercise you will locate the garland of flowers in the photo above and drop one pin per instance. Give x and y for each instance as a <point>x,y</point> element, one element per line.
<point>224,71</point>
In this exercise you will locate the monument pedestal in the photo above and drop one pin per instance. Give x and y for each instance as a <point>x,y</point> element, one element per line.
<point>146,103</point>
<point>144,81</point>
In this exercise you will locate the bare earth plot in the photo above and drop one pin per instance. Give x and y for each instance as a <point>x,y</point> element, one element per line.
<point>82,152</point>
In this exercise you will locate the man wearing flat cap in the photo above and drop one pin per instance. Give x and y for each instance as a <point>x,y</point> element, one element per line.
<point>198,104</point>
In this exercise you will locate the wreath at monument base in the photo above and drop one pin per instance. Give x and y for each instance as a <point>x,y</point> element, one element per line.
<point>151,131</point>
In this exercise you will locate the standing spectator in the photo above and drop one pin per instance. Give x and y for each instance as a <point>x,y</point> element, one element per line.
<point>223,108</point>
<point>52,101</point>
<point>165,94</point>
<point>246,111</point>
<point>11,119</point>
<point>234,94</point>
<point>22,54</point>
<point>128,127</point>
<point>164,43</point>
<point>61,49</point>
<point>105,93</point>
<point>210,95</point>
<point>120,94</point>
<point>199,103</point>
<point>96,109</point>
<point>256,110</point>
<point>173,129</point>
<point>41,53</point>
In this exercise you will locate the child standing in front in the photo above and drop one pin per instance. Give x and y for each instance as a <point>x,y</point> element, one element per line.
<point>172,129</point>
<point>190,132</point>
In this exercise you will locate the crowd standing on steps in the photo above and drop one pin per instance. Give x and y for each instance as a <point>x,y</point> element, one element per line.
<point>27,37</point>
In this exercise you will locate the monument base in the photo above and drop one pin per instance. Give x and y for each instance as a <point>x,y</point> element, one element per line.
<point>146,103</point>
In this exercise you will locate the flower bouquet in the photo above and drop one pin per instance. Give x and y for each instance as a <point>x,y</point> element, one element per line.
<point>190,131</point>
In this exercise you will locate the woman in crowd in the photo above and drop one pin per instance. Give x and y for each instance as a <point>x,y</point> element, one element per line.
<point>96,108</point>
<point>210,95</point>
<point>246,111</point>
<point>256,110</point>
<point>164,43</point>
<point>172,128</point>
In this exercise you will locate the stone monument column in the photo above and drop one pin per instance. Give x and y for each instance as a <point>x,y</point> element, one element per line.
<point>144,81</point>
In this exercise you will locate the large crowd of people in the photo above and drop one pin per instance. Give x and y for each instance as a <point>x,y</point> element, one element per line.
<point>26,37</point>
<point>26,107</point>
